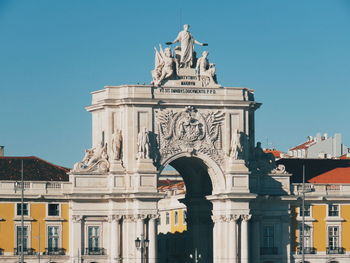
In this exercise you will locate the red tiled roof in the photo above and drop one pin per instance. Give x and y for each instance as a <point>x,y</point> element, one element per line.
<point>172,185</point>
<point>304,145</point>
<point>344,157</point>
<point>340,175</point>
<point>34,169</point>
<point>275,153</point>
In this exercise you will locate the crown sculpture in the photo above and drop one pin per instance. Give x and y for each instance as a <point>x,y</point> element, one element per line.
<point>181,67</point>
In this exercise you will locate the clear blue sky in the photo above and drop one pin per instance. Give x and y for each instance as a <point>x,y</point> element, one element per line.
<point>294,53</point>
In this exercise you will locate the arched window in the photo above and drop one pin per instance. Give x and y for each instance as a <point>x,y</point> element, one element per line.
<point>184,217</point>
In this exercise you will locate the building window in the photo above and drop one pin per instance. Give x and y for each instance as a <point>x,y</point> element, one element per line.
<point>167,218</point>
<point>93,237</point>
<point>268,242</point>
<point>307,210</point>
<point>268,236</point>
<point>176,217</point>
<point>159,219</point>
<point>333,237</point>
<point>306,234</point>
<point>53,209</point>
<point>185,217</point>
<point>52,238</point>
<point>333,210</point>
<point>25,209</point>
<point>19,239</point>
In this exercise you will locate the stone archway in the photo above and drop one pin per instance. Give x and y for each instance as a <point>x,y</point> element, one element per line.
<point>186,119</point>
<point>215,173</point>
<point>199,234</point>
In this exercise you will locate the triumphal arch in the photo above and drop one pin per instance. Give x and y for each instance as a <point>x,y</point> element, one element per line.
<point>187,120</point>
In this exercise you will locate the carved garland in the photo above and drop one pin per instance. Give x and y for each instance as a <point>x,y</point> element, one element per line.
<point>190,131</point>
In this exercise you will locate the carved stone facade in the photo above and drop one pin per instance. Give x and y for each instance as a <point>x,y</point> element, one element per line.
<point>190,131</point>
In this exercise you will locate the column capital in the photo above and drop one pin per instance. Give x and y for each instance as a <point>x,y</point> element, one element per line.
<point>246,217</point>
<point>153,216</point>
<point>130,218</point>
<point>141,216</point>
<point>234,217</point>
<point>218,218</point>
<point>114,218</point>
<point>77,218</point>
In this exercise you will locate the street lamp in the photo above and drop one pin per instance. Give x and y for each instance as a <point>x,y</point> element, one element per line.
<point>142,245</point>
<point>196,257</point>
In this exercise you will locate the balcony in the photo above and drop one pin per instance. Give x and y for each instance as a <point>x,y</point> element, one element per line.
<point>268,251</point>
<point>54,251</point>
<point>26,251</point>
<point>307,250</point>
<point>335,250</point>
<point>94,251</point>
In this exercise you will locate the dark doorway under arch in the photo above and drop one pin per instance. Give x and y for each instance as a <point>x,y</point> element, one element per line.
<point>199,234</point>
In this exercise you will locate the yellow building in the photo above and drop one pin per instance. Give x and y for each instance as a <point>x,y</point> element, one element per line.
<point>326,216</point>
<point>172,213</point>
<point>45,210</point>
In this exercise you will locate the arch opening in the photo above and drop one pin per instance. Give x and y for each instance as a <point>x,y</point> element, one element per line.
<point>199,225</point>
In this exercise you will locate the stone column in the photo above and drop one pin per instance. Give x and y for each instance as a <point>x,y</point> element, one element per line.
<point>232,238</point>
<point>285,238</point>
<point>215,238</point>
<point>152,231</point>
<point>140,226</point>
<point>115,238</point>
<point>76,238</point>
<point>256,238</point>
<point>130,253</point>
<point>219,236</point>
<point>244,239</point>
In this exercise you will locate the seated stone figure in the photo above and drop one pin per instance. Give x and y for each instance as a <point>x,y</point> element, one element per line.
<point>205,70</point>
<point>164,66</point>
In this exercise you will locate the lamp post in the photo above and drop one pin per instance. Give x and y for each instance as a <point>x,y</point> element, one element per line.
<point>196,257</point>
<point>142,245</point>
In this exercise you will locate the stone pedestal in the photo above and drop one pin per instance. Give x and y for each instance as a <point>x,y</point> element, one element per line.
<point>146,175</point>
<point>145,165</point>
<point>116,166</point>
<point>238,176</point>
<point>235,166</point>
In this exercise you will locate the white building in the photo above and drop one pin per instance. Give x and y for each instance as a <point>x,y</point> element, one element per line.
<point>320,146</point>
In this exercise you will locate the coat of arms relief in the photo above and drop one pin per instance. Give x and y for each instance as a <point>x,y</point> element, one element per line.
<point>190,131</point>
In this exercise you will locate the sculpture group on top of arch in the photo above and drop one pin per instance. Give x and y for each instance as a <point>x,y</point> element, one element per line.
<point>182,63</point>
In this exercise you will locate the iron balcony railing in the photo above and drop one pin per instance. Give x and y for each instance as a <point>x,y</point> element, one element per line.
<point>335,250</point>
<point>94,251</point>
<point>268,251</point>
<point>26,251</point>
<point>307,250</point>
<point>54,251</point>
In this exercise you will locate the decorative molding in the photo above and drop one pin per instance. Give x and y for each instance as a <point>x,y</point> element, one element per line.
<point>190,131</point>
<point>246,217</point>
<point>130,218</point>
<point>153,216</point>
<point>77,218</point>
<point>234,217</point>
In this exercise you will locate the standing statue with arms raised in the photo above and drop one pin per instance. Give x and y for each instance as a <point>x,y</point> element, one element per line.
<point>187,42</point>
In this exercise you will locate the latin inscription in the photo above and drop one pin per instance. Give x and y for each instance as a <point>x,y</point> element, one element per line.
<point>187,91</point>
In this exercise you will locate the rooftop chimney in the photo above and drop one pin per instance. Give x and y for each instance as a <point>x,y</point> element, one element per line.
<point>2,151</point>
